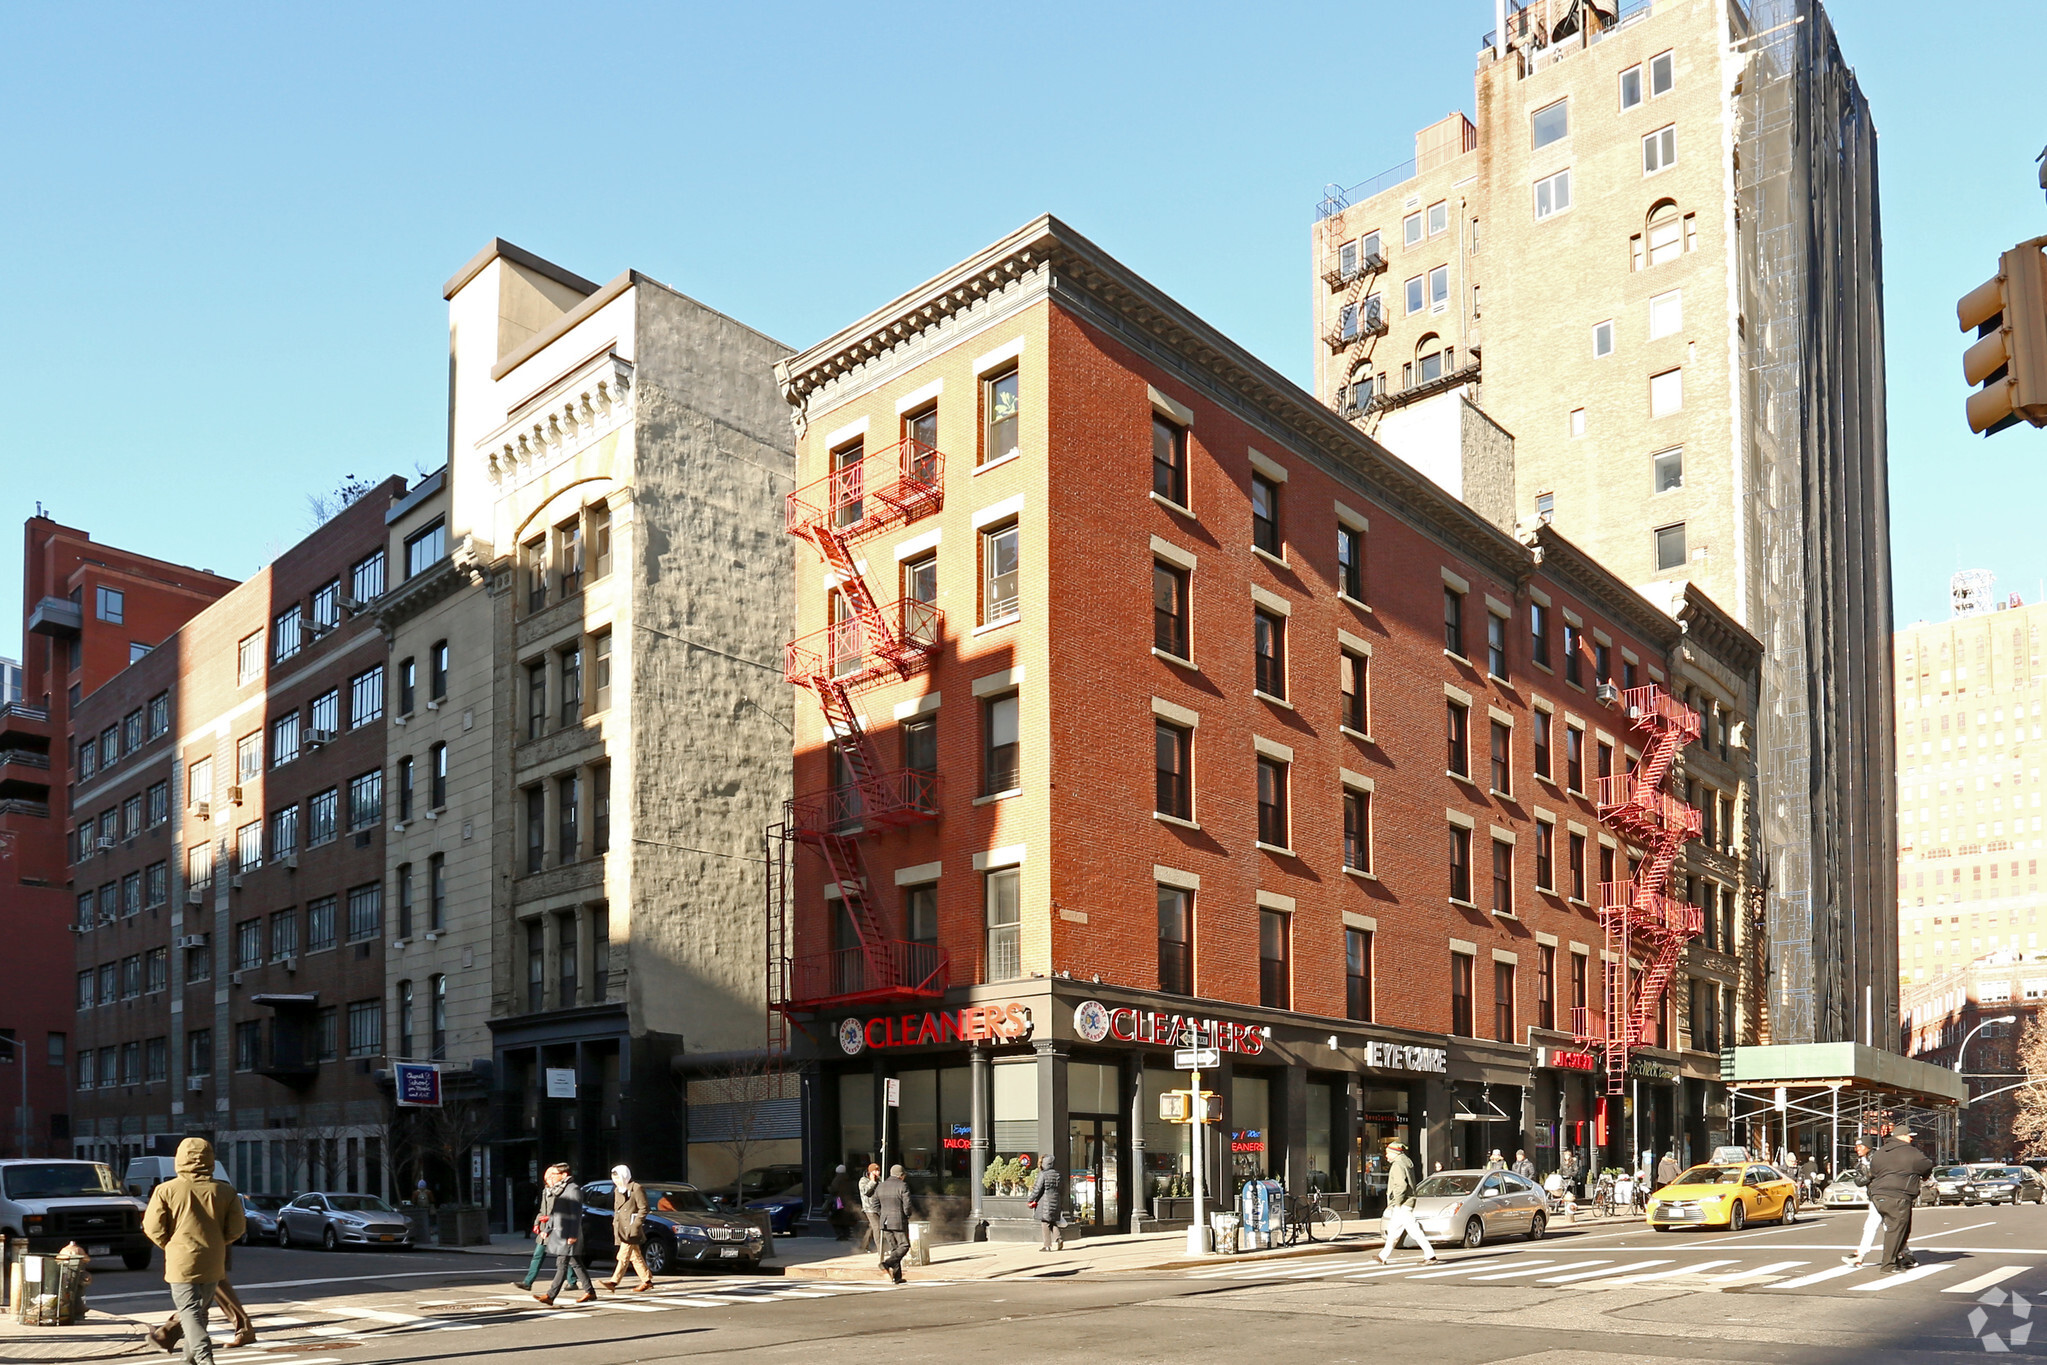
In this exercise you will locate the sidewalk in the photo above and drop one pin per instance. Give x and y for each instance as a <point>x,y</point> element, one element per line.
<point>102,1336</point>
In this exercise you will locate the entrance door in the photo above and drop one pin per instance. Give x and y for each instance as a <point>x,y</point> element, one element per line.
<point>1096,1177</point>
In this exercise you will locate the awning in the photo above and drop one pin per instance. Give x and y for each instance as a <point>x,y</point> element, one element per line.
<point>1850,1066</point>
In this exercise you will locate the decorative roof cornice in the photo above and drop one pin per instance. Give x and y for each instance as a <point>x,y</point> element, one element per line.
<point>461,569</point>
<point>1718,633</point>
<point>1596,583</point>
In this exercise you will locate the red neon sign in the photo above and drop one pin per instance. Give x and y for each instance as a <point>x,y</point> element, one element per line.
<point>1008,1023</point>
<point>1128,1025</point>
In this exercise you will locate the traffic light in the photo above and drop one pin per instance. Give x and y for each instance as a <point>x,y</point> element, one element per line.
<point>2009,359</point>
<point>1178,1106</point>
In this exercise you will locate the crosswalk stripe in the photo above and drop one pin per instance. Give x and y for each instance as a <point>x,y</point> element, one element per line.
<point>1893,1281</point>
<point>1820,1276</point>
<point>1692,1269</point>
<point>635,1307</point>
<point>1997,1276</point>
<point>1515,1274</point>
<point>1474,1267</point>
<point>1760,1272</point>
<point>1407,1269</point>
<point>1590,1274</point>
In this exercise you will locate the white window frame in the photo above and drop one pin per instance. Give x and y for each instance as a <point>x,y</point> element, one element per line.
<point>1641,88</point>
<point>1659,150</point>
<point>1668,58</point>
<point>1534,114</point>
<point>1671,304</point>
<point>1656,462</point>
<point>1675,387</point>
<point>1553,181</point>
<point>1411,231</point>
<point>1439,299</point>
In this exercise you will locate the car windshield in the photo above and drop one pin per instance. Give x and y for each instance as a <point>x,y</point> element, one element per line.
<point>678,1199</point>
<point>1851,1178</point>
<point>60,1180</point>
<point>357,1203</point>
<point>1710,1175</point>
<point>1952,1173</point>
<point>1448,1186</point>
<point>2006,1173</point>
<point>269,1203</point>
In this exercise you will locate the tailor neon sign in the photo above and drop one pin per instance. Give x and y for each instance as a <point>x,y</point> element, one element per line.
<point>1006,1023</point>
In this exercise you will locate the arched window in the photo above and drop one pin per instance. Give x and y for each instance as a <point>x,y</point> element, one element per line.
<point>1665,236</point>
<point>1432,359</point>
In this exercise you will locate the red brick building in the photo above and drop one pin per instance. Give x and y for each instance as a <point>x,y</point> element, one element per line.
<point>228,876</point>
<point>1164,692</point>
<point>88,611</point>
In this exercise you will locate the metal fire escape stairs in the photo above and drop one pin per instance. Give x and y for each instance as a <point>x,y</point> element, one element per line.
<point>1641,920</point>
<point>867,643</point>
<point>1354,285</point>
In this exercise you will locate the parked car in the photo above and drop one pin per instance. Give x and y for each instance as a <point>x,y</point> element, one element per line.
<point>1729,1196</point>
<point>2012,1185</point>
<point>319,1218</point>
<point>145,1173</point>
<point>1848,1190</point>
<point>259,1212</point>
<point>1470,1206</point>
<point>683,1228</point>
<point>53,1203</point>
<point>784,1209</point>
<point>1945,1185</point>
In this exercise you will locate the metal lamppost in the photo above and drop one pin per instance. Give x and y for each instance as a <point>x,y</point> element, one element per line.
<point>2001,1019</point>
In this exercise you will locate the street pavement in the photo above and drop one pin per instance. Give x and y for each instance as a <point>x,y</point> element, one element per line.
<point>1603,1295</point>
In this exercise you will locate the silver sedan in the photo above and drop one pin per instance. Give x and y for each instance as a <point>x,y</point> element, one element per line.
<point>337,1220</point>
<point>1469,1206</point>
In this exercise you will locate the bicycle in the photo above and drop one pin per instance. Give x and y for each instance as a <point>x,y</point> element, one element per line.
<point>1603,1204</point>
<point>1309,1216</point>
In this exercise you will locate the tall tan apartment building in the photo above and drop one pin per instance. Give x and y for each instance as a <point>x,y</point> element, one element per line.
<point>1639,299</point>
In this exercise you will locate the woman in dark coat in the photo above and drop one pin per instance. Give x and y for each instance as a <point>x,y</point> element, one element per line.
<point>565,1241</point>
<point>1048,1202</point>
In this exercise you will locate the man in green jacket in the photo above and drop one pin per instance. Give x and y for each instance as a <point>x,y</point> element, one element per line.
<point>194,1218</point>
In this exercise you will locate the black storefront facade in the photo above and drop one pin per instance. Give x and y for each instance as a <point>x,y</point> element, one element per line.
<point>1671,1102</point>
<point>1003,1076</point>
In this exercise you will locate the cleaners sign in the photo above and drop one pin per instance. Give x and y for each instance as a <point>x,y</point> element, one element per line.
<point>1010,1023</point>
<point>1095,1022</point>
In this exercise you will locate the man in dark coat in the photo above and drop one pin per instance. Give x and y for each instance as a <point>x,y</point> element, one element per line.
<point>892,1200</point>
<point>565,1241</point>
<point>1895,1170</point>
<point>1048,1201</point>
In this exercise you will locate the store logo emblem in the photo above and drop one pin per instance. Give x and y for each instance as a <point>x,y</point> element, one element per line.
<point>1091,1020</point>
<point>852,1038</point>
<point>2017,1335</point>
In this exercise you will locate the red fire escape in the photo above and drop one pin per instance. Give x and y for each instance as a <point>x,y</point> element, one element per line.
<point>1642,922</point>
<point>867,643</point>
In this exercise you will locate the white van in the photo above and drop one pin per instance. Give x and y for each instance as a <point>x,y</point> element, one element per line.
<point>145,1173</point>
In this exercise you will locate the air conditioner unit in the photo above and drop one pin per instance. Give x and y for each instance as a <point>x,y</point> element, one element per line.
<point>433,704</point>
<point>1608,694</point>
<point>316,738</point>
<point>235,881</point>
<point>202,810</point>
<point>317,628</point>
<point>351,606</point>
<point>103,845</point>
<point>195,895</point>
<point>291,964</point>
<point>433,815</point>
<point>190,941</point>
<point>107,919</point>
<point>398,827</point>
<point>235,980</point>
<point>291,861</point>
<point>234,795</point>
<point>195,1082</point>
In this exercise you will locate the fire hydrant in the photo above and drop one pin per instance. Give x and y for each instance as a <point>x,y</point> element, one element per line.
<point>72,1278</point>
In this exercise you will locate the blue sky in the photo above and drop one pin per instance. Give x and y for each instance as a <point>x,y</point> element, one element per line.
<point>228,226</point>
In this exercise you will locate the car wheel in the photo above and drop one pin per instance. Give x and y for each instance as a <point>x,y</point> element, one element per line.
<point>283,1236</point>
<point>1537,1226</point>
<point>659,1257</point>
<point>135,1260</point>
<point>1737,1217</point>
<point>1790,1214</point>
<point>328,1241</point>
<point>1474,1233</point>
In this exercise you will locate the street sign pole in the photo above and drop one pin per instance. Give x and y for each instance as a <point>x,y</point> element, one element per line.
<point>1197,1143</point>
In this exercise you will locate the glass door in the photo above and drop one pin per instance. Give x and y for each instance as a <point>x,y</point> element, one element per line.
<point>1094,1144</point>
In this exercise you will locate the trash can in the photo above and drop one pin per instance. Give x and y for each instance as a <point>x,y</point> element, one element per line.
<point>420,1217</point>
<point>1227,1228</point>
<point>920,1244</point>
<point>49,1291</point>
<point>462,1225</point>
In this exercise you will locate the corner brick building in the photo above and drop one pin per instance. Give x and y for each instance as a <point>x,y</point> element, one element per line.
<point>1163,692</point>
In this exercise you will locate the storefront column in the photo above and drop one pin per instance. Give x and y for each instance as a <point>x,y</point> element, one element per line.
<point>1132,1198</point>
<point>1437,1131</point>
<point>977,1151</point>
<point>1052,1111</point>
<point>1293,1105</point>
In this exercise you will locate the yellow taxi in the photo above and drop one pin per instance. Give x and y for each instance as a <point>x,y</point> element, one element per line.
<point>1730,1195</point>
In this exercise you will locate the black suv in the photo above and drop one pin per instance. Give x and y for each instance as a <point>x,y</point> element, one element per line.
<point>683,1228</point>
<point>2005,1185</point>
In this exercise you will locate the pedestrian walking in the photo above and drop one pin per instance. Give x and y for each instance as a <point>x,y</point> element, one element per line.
<point>1667,1170</point>
<point>1399,1219</point>
<point>1568,1168</point>
<point>565,1240</point>
<point>1522,1166</point>
<point>167,1337</point>
<point>1895,1170</point>
<point>1873,1221</point>
<point>194,1217</point>
<point>845,1197</point>
<point>1048,1201</point>
<point>870,1208</point>
<point>552,1181</point>
<point>892,1205</point>
<point>628,1230</point>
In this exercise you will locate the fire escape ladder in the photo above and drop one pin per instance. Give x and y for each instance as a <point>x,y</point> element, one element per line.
<point>842,855</point>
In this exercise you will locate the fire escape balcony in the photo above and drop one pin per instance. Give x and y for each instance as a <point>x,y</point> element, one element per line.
<point>899,640</point>
<point>1652,703</point>
<point>56,617</point>
<point>20,722</point>
<point>24,775</point>
<point>885,801</point>
<point>1650,913</point>
<point>896,970</point>
<point>1643,815</point>
<point>887,488</point>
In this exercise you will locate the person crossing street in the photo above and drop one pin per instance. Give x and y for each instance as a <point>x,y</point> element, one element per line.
<point>1400,1217</point>
<point>194,1218</point>
<point>1873,1221</point>
<point>892,1202</point>
<point>628,1230</point>
<point>565,1240</point>
<point>1895,1170</point>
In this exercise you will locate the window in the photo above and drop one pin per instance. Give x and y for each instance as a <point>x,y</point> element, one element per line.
<point>1665,242</point>
<point>1660,74</point>
<point>1503,877</point>
<point>568,974</point>
<point>199,962</point>
<point>536,700</point>
<point>366,579</point>
<point>1538,635</point>
<point>365,912</point>
<point>156,883</point>
<point>326,606</point>
<point>1173,745</point>
<point>1666,314</point>
<point>1545,858</point>
<point>536,966</point>
<point>568,555</point>
<point>405,1019</point>
<point>1574,652</point>
<point>284,739</point>
<point>1000,406</point>
<point>85,912</point>
<point>365,1028</point>
<point>403,779</point>
<point>1265,514</point>
<point>1275,975</point>
<point>1460,995</point>
<point>424,549</point>
<point>1272,813</point>
<point>534,553</point>
<point>1268,632</point>
<point>366,799</point>
<point>1414,295</point>
<point>1411,229</point>
<point>88,755</point>
<point>284,634</point>
<point>1169,460</point>
<point>1503,1001</point>
<point>284,935</point>
<point>1353,680</point>
<point>159,714</point>
<point>1460,864</point>
<point>536,829</point>
<point>1439,289</point>
<point>1496,645</point>
<point>1602,339</point>
<point>248,944</point>
<point>437,777</point>
<point>1631,87</point>
<point>1439,218</point>
<point>999,574</point>
<point>1670,547</point>
<point>110,605</point>
<point>1005,925</point>
<point>155,1056</point>
<point>1602,661</point>
<point>1552,194</point>
<point>600,808</point>
<point>437,1014</point>
<point>325,713</point>
<point>284,832</point>
<point>1176,940</point>
<point>1574,758</point>
<point>86,1076</point>
<point>1357,830</point>
<point>199,865</point>
<point>567,802</point>
<point>1357,974</point>
<point>1350,563</point>
<point>1453,621</point>
<point>320,816</point>
<point>131,816</point>
<point>1169,609</point>
<point>1669,469</point>
<point>249,659</point>
<point>848,504</point>
<point>920,913</point>
<point>110,982</point>
<point>249,846</point>
<point>199,1052</point>
<point>437,670</point>
<point>1666,393</point>
<point>1001,766</point>
<point>437,893</point>
<point>920,601</point>
<point>1577,858</point>
<point>1503,738</point>
<point>1457,730</point>
<point>572,685</point>
<point>408,675</point>
<point>1659,150</point>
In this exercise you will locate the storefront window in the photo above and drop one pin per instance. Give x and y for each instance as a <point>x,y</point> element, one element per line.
<point>1322,1174</point>
<point>1250,1131</point>
<point>1014,1158</point>
<point>934,1129</point>
<point>1166,1172</point>
<point>856,1119</point>
<point>1384,1118</point>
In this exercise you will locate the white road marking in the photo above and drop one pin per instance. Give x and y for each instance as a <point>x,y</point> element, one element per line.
<point>1950,1232</point>
<point>1893,1281</point>
<point>1822,1276</point>
<point>384,1315</point>
<point>1760,1272</point>
<point>1515,1274</point>
<point>339,1279</point>
<point>1662,1274</point>
<point>1472,1268</point>
<point>1997,1276</point>
<point>1591,1274</point>
<point>1719,1242</point>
